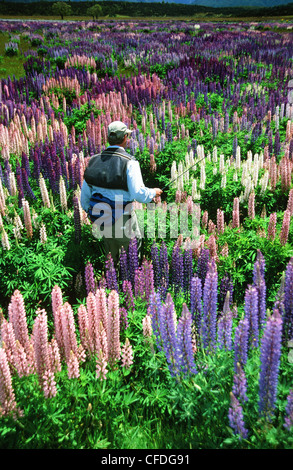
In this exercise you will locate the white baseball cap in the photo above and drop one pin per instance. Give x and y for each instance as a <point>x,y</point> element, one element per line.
<point>118,130</point>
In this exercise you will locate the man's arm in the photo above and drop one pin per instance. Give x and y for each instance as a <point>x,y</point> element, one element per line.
<point>138,191</point>
<point>85,196</point>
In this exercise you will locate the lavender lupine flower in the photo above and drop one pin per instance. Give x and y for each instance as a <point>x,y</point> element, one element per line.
<point>89,278</point>
<point>168,334</point>
<point>225,324</point>
<point>289,411</point>
<point>202,264</point>
<point>241,343</point>
<point>196,308</point>
<point>236,420</point>
<point>210,296</point>
<point>239,388</point>
<point>184,343</point>
<point>226,285</point>
<point>260,285</point>
<point>288,301</point>
<point>111,276</point>
<point>270,361</point>
<point>251,313</point>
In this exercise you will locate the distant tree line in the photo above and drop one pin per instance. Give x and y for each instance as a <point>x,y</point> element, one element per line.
<point>132,9</point>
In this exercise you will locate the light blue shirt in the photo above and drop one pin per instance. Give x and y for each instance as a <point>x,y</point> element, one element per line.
<point>137,191</point>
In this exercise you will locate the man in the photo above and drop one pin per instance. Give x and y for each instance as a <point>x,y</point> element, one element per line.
<point>112,177</point>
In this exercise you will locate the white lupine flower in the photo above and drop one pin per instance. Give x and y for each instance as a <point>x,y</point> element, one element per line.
<point>264,181</point>
<point>62,191</point>
<point>222,163</point>
<point>238,158</point>
<point>215,154</point>
<point>202,177</point>
<point>5,241</point>
<point>44,192</point>
<point>43,233</point>
<point>13,186</point>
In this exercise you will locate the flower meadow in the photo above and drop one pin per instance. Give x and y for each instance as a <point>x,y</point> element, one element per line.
<point>190,345</point>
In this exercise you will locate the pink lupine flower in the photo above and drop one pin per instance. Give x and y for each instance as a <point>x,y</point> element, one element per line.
<point>147,326</point>
<point>272,226</point>
<point>220,221</point>
<point>17,317</point>
<point>101,366</point>
<point>285,227</point>
<point>127,354</point>
<point>8,404</point>
<point>205,219</point>
<point>290,201</point>
<point>113,327</point>
<point>83,325</point>
<point>27,218</point>
<point>93,322</point>
<point>102,308</point>
<point>49,384</point>
<point>68,330</point>
<point>72,366</point>
<point>54,356</point>
<point>40,334</point>
<point>235,215</point>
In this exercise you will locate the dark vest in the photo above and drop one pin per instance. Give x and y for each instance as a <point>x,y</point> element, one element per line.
<point>108,169</point>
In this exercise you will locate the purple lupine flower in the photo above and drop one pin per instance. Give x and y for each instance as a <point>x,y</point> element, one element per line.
<point>202,264</point>
<point>132,259</point>
<point>239,388</point>
<point>177,268</point>
<point>236,420</point>
<point>225,324</point>
<point>196,308</point>
<point>210,296</point>
<point>123,265</point>
<point>77,221</point>
<point>123,317</point>
<point>144,280</point>
<point>155,312</point>
<point>270,360</point>
<point>259,283</point>
<point>226,285</point>
<point>184,343</point>
<point>187,269</point>
<point>156,264</point>
<point>111,275</point>
<point>89,278</point>
<point>241,343</point>
<point>127,289</point>
<point>289,411</point>
<point>288,301</point>
<point>26,185</point>
<point>251,313</point>
<point>168,334</point>
<point>164,270</point>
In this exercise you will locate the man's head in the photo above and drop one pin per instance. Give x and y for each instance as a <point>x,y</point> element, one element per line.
<point>117,131</point>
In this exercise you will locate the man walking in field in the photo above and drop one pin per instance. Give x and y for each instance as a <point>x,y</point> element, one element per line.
<point>112,181</point>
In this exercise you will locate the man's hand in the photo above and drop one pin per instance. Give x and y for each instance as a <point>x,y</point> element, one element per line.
<point>158,191</point>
